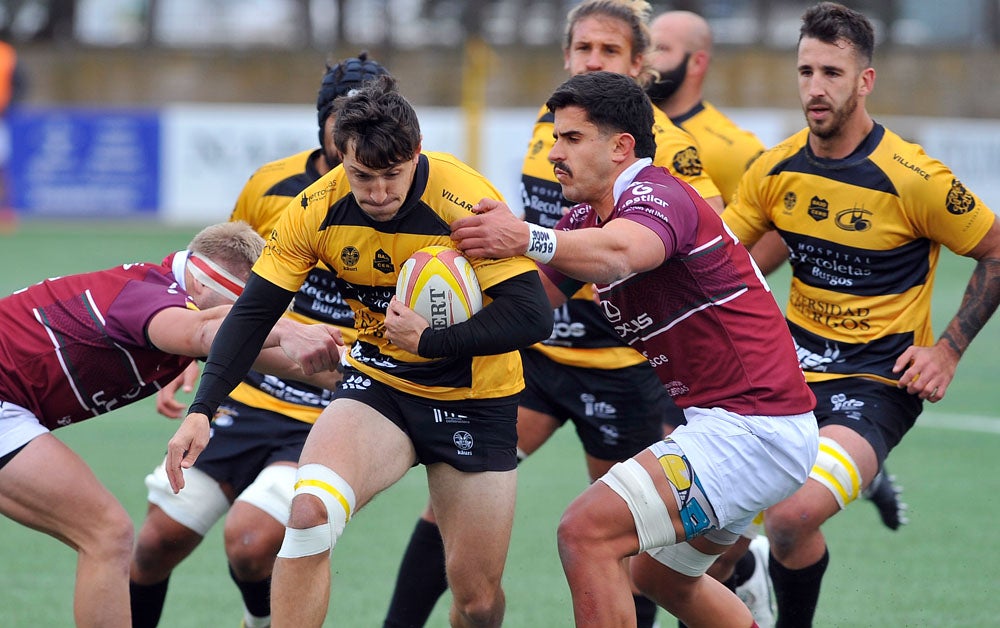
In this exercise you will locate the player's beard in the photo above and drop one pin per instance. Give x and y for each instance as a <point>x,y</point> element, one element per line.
<point>834,123</point>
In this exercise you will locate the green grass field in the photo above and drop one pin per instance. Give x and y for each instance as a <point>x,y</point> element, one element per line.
<point>940,570</point>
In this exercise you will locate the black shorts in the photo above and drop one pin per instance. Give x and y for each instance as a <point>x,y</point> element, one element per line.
<point>471,435</point>
<point>617,413</point>
<point>880,413</point>
<point>245,440</point>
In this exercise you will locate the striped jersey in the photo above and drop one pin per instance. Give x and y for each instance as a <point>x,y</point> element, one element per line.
<point>864,235</point>
<point>327,225</point>
<point>704,319</point>
<point>75,347</point>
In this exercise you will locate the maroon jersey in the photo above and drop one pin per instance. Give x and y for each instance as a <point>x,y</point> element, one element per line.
<point>704,319</point>
<point>74,347</point>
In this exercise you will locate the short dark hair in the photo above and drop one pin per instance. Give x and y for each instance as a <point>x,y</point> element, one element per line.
<point>382,124</point>
<point>830,22</point>
<point>614,103</point>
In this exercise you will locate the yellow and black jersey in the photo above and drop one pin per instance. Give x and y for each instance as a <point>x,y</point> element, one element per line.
<point>864,235</point>
<point>262,201</point>
<point>726,149</point>
<point>581,335</point>
<point>326,224</point>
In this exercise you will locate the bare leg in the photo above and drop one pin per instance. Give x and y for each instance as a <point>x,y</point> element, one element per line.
<point>48,487</point>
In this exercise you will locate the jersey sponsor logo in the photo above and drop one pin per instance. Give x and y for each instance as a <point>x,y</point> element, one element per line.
<point>563,325</point>
<point>455,199</point>
<point>960,200</point>
<point>224,417</point>
<point>915,168</point>
<point>537,147</point>
<point>349,257</point>
<point>832,315</point>
<point>635,325</point>
<point>656,360</point>
<point>383,262</point>
<point>676,388</point>
<point>854,219</point>
<point>463,440</point>
<point>835,268</point>
<point>849,406</point>
<point>612,313</point>
<point>789,202</point>
<point>819,209</point>
<point>610,434</point>
<point>447,416</point>
<point>812,361</point>
<point>687,162</point>
<point>356,381</point>
<point>600,409</point>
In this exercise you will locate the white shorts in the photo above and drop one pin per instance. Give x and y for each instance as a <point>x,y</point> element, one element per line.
<point>18,427</point>
<point>747,463</point>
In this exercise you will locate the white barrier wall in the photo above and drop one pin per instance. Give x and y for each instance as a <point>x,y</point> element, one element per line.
<point>186,163</point>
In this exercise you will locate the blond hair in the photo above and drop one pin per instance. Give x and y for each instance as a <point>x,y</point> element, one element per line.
<point>233,245</point>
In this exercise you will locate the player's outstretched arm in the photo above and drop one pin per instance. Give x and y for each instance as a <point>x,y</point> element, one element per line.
<point>604,255</point>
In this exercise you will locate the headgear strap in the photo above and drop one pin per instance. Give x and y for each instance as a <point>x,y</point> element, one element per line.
<point>217,278</point>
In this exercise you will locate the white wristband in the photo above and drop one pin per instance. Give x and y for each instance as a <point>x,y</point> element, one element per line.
<point>541,243</point>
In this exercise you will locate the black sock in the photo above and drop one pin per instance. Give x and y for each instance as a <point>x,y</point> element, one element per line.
<point>256,595</point>
<point>797,591</point>
<point>421,580</point>
<point>147,603</point>
<point>742,572</point>
<point>645,611</point>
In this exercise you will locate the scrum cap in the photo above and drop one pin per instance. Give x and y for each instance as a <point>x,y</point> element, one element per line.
<point>340,79</point>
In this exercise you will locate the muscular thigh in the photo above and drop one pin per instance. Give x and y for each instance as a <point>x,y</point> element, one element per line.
<point>47,486</point>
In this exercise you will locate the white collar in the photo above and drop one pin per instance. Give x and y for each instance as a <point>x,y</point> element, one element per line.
<point>177,266</point>
<point>627,175</point>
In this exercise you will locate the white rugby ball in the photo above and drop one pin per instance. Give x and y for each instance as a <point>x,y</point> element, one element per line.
<point>440,285</point>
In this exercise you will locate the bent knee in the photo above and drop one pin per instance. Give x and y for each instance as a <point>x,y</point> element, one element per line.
<point>479,608</point>
<point>307,511</point>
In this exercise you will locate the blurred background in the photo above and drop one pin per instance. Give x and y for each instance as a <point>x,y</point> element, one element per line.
<point>162,108</point>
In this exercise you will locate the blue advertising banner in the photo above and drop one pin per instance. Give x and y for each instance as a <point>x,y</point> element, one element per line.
<point>81,163</point>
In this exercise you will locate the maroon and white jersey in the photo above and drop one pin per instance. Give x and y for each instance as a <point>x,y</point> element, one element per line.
<point>705,319</point>
<point>74,347</point>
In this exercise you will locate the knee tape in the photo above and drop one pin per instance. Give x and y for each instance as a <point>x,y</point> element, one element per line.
<point>652,520</point>
<point>836,470</point>
<point>338,497</point>
<point>272,491</point>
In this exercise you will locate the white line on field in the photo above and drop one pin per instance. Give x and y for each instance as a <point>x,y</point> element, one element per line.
<point>961,422</point>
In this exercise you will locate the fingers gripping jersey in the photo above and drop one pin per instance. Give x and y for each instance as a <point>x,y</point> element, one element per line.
<point>326,224</point>
<point>726,149</point>
<point>263,200</point>
<point>864,235</point>
<point>579,324</point>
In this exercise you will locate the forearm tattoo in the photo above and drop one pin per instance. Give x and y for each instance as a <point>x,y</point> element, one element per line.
<point>982,296</point>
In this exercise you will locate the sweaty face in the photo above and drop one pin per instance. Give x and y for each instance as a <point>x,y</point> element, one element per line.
<point>582,157</point>
<point>601,43</point>
<point>379,192</point>
<point>829,82</point>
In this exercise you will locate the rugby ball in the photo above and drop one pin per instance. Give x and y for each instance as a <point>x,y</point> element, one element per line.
<point>440,285</point>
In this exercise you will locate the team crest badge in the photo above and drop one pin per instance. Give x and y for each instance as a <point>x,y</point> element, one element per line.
<point>789,201</point>
<point>349,257</point>
<point>687,162</point>
<point>960,200</point>
<point>854,219</point>
<point>819,209</point>
<point>383,262</point>
<point>536,148</point>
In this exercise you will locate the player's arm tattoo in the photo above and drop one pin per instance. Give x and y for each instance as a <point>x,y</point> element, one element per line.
<point>982,296</point>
